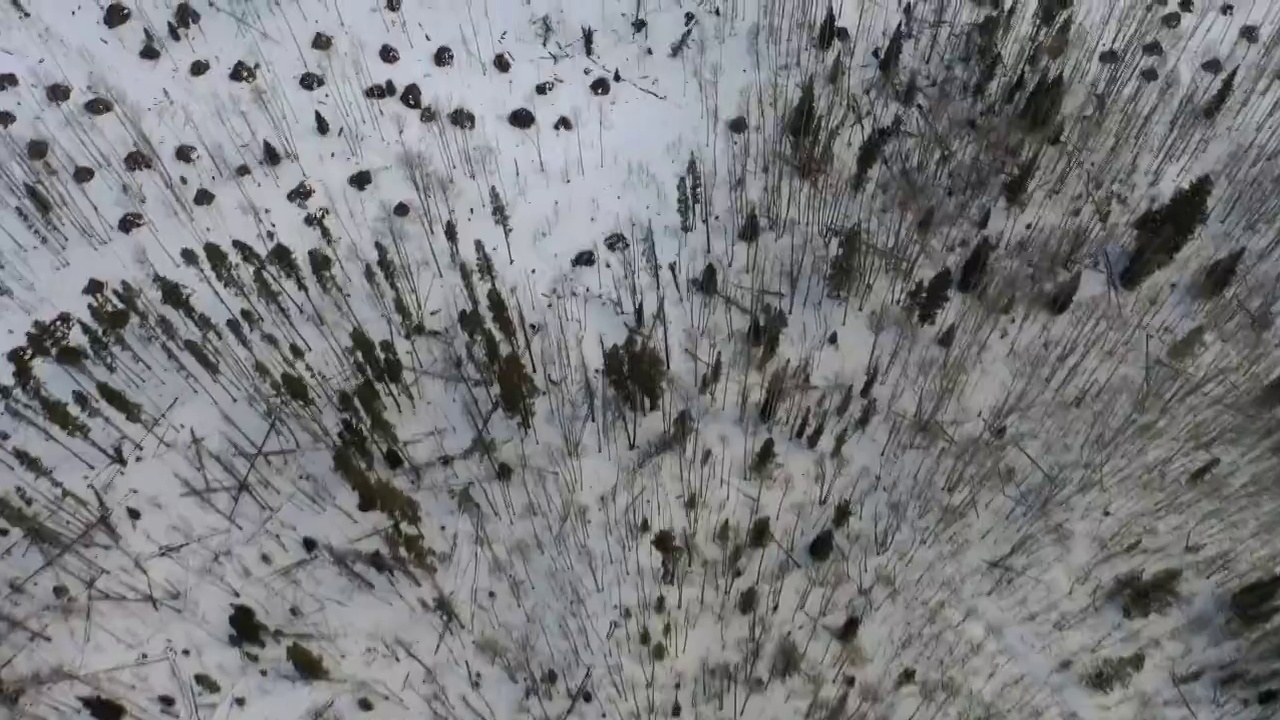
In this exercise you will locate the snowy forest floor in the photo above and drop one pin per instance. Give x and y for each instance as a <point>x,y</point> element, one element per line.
<point>522,358</point>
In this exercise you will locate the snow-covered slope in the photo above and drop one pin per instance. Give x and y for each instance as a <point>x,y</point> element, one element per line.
<point>938,526</point>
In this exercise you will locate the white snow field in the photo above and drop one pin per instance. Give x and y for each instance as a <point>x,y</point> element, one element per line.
<point>954,513</point>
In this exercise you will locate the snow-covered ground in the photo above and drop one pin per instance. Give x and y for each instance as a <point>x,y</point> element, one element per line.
<point>982,504</point>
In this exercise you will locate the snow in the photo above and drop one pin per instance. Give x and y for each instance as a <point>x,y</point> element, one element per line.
<point>981,565</point>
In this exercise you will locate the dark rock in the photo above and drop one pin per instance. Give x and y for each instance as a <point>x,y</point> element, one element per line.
<point>462,119</point>
<point>137,160</point>
<point>37,150</point>
<point>389,87</point>
<point>7,81</point>
<point>1213,66</point>
<point>562,123</point>
<point>322,125</point>
<point>393,6</point>
<point>842,34</point>
<point>1171,20</point>
<point>130,221</point>
<point>309,544</point>
<point>185,16</point>
<point>199,68</point>
<point>600,86</point>
<point>545,87</point>
<point>443,57</point>
<point>411,97</point>
<point>737,125</point>
<point>57,93</point>
<point>428,115</point>
<point>1250,34</point>
<point>203,198</point>
<point>521,118</point>
<point>82,174</point>
<point>401,209</point>
<point>321,42</point>
<point>242,72</point>
<point>616,242</point>
<point>584,258</point>
<point>99,106</point>
<point>365,704</point>
<point>617,76</point>
<point>116,15</point>
<point>502,62</point>
<point>1109,57</point>
<point>360,180</point>
<point>300,193</point>
<point>388,54</point>
<point>7,119</point>
<point>149,51</point>
<point>187,154</point>
<point>270,155</point>
<point>1149,74</point>
<point>376,92</point>
<point>1152,49</point>
<point>310,81</point>
<point>166,700</point>
<point>243,171</point>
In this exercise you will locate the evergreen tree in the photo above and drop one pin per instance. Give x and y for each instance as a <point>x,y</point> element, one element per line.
<point>1044,103</point>
<point>889,60</point>
<point>1217,275</point>
<point>804,123</point>
<point>827,30</point>
<point>684,208</point>
<point>1063,294</point>
<point>929,299</point>
<point>636,372</point>
<point>845,266</point>
<point>515,389</point>
<point>974,269</point>
<point>1163,231</point>
<point>1220,96</point>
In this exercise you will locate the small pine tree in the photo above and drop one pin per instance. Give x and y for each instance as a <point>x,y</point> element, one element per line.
<point>1217,275</point>
<point>307,664</point>
<point>694,173</point>
<point>636,371</point>
<point>974,269</point>
<point>827,30</point>
<point>1044,103</point>
<point>845,266</point>
<point>515,389</point>
<point>684,206</point>
<point>501,217</point>
<point>1016,185</point>
<point>1063,294</point>
<point>1220,96</point>
<point>804,122</point>
<point>889,60</point>
<point>1163,231</point>
<point>749,231</point>
<point>929,299</point>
